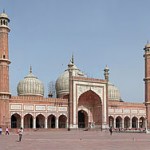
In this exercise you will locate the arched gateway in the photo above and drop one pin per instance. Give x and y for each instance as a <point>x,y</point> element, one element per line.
<point>90,102</point>
<point>82,119</point>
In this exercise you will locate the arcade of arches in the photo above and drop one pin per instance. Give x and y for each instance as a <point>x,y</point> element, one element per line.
<point>126,122</point>
<point>28,121</point>
<point>40,121</point>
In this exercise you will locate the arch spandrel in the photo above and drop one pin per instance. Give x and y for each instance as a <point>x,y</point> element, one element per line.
<point>142,117</point>
<point>126,116</point>
<point>51,114</point>
<point>43,114</point>
<point>135,117</point>
<point>62,114</point>
<point>17,113</point>
<point>30,113</point>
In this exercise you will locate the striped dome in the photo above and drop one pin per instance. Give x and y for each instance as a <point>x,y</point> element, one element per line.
<point>30,86</point>
<point>113,92</point>
<point>62,82</point>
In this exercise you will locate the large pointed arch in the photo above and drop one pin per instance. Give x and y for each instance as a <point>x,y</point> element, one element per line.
<point>92,102</point>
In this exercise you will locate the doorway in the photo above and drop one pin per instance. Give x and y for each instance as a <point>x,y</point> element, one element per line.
<point>82,119</point>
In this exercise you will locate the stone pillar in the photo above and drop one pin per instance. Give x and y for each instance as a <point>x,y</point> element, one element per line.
<point>56,122</point>
<point>114,122</point>
<point>67,123</point>
<point>45,123</point>
<point>138,121</point>
<point>22,122</point>
<point>123,123</point>
<point>34,122</point>
<point>130,122</point>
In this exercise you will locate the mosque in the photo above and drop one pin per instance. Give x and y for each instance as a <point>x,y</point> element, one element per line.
<point>80,102</point>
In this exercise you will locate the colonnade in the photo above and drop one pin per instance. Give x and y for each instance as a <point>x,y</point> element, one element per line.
<point>127,122</point>
<point>40,121</point>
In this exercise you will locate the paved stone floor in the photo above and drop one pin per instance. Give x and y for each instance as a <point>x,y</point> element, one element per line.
<point>75,140</point>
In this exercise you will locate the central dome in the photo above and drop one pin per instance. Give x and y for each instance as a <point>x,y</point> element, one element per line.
<point>30,86</point>
<point>62,83</point>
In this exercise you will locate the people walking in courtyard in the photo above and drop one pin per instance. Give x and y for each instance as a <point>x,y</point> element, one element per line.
<point>110,130</point>
<point>1,130</point>
<point>20,132</point>
<point>7,131</point>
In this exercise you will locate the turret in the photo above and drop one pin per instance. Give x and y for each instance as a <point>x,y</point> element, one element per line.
<point>106,73</point>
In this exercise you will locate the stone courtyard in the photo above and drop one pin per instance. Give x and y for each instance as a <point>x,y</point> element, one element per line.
<point>75,140</point>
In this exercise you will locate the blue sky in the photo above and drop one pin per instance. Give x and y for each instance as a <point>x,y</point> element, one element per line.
<point>45,34</point>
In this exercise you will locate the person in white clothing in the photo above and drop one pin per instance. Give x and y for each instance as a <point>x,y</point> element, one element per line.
<point>20,132</point>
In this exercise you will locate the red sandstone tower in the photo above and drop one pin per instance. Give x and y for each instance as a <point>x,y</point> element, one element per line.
<point>4,57</point>
<point>147,82</point>
<point>4,70</point>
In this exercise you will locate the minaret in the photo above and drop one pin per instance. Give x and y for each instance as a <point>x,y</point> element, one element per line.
<point>70,99</point>
<point>4,71</point>
<point>106,73</point>
<point>4,57</point>
<point>147,82</point>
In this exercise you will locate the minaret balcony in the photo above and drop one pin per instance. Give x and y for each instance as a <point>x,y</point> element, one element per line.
<point>5,60</point>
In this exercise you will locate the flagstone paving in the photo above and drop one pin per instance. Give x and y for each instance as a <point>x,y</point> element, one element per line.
<point>75,140</point>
